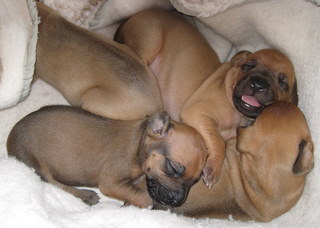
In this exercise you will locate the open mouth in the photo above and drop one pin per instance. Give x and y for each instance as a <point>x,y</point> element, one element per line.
<point>248,105</point>
<point>250,101</point>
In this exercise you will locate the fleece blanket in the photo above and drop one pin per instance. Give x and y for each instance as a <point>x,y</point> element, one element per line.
<point>18,37</point>
<point>230,26</point>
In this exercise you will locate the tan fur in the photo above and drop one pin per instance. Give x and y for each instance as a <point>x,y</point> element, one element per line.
<point>195,85</point>
<point>94,72</point>
<point>68,147</point>
<point>264,172</point>
<point>176,52</point>
<point>212,112</point>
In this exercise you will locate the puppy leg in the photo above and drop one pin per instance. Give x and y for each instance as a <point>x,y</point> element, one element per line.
<point>103,103</point>
<point>214,141</point>
<point>87,196</point>
<point>216,154</point>
<point>146,47</point>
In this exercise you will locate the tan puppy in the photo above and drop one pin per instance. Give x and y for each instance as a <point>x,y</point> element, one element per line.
<point>176,52</point>
<point>94,72</point>
<point>68,146</point>
<point>235,92</point>
<point>265,176</point>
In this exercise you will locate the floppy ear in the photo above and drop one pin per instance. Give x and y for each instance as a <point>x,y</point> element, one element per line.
<point>304,162</point>
<point>240,57</point>
<point>158,125</point>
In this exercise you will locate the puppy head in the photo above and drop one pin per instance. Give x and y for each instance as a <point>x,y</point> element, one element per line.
<point>175,155</point>
<point>276,153</point>
<point>262,78</point>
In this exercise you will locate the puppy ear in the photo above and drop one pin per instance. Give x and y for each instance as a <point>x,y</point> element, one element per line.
<point>240,57</point>
<point>304,162</point>
<point>158,125</point>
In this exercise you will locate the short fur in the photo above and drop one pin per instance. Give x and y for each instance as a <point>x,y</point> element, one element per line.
<point>68,147</point>
<point>92,71</point>
<point>178,55</point>
<point>213,98</point>
<point>265,169</point>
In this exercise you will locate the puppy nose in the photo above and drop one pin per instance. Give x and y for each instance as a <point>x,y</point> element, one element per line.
<point>259,84</point>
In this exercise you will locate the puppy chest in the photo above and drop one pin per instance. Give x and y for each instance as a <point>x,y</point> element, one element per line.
<point>228,127</point>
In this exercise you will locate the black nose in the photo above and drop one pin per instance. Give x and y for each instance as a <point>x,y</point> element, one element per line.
<point>259,84</point>
<point>165,195</point>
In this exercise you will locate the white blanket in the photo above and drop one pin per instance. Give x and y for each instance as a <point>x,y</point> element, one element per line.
<point>290,25</point>
<point>18,37</point>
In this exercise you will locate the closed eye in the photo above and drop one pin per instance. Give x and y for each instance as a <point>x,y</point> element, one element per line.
<point>283,82</point>
<point>249,65</point>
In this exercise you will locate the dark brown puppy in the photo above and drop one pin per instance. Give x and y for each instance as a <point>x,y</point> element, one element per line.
<point>94,72</point>
<point>265,169</point>
<point>68,146</point>
<point>181,60</point>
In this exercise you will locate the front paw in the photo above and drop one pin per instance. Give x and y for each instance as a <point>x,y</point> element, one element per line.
<point>89,197</point>
<point>211,173</point>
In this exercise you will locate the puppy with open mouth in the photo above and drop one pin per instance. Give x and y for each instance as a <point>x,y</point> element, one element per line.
<point>262,82</point>
<point>264,172</point>
<point>69,147</point>
<point>212,97</point>
<point>234,94</point>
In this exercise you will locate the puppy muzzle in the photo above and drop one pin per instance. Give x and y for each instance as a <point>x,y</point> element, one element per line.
<point>252,94</point>
<point>165,195</point>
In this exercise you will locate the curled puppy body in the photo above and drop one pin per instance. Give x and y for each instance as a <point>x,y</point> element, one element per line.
<point>92,71</point>
<point>214,98</point>
<point>176,52</point>
<point>68,147</point>
<point>265,169</point>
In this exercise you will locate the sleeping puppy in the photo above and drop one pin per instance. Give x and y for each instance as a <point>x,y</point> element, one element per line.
<point>265,169</point>
<point>213,98</point>
<point>68,147</point>
<point>92,71</point>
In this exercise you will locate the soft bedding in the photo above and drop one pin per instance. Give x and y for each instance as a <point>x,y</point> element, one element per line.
<point>289,25</point>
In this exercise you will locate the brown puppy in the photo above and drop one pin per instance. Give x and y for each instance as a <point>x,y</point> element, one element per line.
<point>235,92</point>
<point>68,146</point>
<point>176,52</point>
<point>264,172</point>
<point>232,95</point>
<point>94,72</point>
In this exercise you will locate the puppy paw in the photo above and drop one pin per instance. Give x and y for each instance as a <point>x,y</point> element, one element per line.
<point>211,174</point>
<point>126,204</point>
<point>89,197</point>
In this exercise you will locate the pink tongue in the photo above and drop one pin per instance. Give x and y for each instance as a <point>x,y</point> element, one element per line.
<point>251,100</point>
